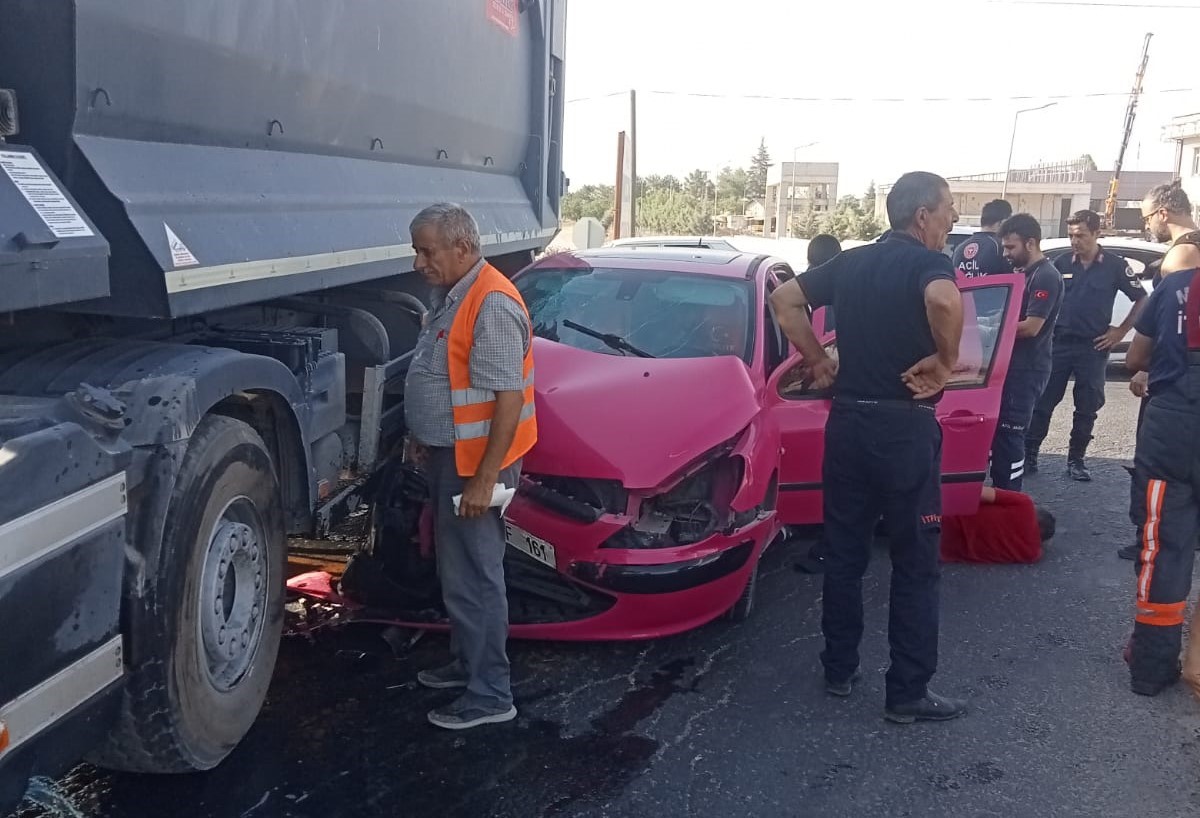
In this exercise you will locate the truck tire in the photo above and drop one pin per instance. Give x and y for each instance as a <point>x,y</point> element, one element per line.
<point>207,629</point>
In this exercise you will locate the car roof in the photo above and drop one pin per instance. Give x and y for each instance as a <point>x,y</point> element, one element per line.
<point>792,251</point>
<point>722,263</point>
<point>667,241</point>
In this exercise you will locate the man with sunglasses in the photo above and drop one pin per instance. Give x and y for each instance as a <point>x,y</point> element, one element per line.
<point>1167,460</point>
<point>1167,217</point>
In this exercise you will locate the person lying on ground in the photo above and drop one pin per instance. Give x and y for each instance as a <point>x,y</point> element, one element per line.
<point>1008,528</point>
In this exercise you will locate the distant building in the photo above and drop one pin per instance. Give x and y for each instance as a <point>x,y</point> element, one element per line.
<point>795,188</point>
<point>751,221</point>
<point>1049,192</point>
<point>1184,131</point>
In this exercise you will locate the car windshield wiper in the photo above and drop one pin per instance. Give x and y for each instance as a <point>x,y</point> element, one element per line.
<point>614,341</point>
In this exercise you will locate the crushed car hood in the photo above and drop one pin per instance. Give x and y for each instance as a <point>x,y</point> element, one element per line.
<point>636,420</point>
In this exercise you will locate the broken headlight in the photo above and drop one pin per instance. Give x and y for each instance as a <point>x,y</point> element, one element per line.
<point>694,509</point>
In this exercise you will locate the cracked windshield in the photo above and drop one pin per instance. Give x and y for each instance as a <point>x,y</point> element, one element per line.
<point>658,315</point>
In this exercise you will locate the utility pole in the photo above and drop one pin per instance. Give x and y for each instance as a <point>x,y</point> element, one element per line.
<point>633,162</point>
<point>618,188</point>
<point>1110,203</point>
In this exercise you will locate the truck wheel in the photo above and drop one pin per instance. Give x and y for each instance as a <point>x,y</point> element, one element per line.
<point>207,629</point>
<point>742,609</point>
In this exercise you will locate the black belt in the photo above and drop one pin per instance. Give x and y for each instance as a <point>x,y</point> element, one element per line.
<point>885,403</point>
<point>1068,335</point>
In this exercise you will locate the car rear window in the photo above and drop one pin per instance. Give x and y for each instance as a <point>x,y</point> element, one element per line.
<point>663,313</point>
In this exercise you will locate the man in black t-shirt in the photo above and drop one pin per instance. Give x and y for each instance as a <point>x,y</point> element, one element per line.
<point>982,254</point>
<point>1030,366</point>
<point>899,317</point>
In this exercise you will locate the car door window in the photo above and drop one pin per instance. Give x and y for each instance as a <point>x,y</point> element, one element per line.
<point>983,318</point>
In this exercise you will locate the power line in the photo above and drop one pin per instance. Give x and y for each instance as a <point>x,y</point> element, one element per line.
<point>772,98</point>
<point>1092,4</point>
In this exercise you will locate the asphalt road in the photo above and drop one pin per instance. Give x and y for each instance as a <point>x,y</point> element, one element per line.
<point>731,720</point>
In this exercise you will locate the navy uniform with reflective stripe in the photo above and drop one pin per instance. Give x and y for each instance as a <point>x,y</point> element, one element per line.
<point>1027,375</point>
<point>1088,296</point>
<point>1168,471</point>
<point>882,456</point>
<point>980,255</point>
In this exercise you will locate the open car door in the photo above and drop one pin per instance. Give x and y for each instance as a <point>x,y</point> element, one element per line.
<point>968,410</point>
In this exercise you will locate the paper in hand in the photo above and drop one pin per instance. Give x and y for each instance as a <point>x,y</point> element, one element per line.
<point>501,497</point>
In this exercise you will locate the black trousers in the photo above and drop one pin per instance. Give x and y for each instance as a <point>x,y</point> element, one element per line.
<point>883,459</point>
<point>1022,388</point>
<point>1076,357</point>
<point>1167,467</point>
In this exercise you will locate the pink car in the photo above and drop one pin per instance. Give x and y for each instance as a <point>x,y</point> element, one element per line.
<point>677,436</point>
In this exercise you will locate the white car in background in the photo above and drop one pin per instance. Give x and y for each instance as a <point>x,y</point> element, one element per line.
<point>794,251</point>
<point>1143,257</point>
<point>958,234</point>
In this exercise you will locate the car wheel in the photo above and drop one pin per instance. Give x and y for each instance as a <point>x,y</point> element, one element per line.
<point>744,606</point>
<point>207,629</point>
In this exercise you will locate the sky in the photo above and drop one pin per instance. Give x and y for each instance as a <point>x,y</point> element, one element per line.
<point>672,50</point>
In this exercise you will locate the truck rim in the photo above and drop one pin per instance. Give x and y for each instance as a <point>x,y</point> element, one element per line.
<point>234,583</point>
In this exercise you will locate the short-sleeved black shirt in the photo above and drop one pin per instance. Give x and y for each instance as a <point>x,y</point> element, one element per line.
<point>1163,323</point>
<point>1088,292</point>
<point>878,292</point>
<point>1042,299</point>
<point>980,255</point>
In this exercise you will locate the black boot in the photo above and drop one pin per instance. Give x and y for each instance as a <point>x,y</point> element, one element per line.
<point>930,708</point>
<point>1031,461</point>
<point>1076,468</point>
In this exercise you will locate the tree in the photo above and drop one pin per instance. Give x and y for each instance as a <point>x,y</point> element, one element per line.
<point>733,188</point>
<point>808,224</point>
<point>664,212</point>
<point>849,220</point>
<point>590,200</point>
<point>698,186</point>
<point>868,199</point>
<point>756,177</point>
<point>658,182</point>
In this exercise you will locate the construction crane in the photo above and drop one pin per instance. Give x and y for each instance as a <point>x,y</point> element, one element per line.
<point>1110,204</point>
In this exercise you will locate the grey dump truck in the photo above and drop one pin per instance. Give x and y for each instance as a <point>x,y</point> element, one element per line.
<point>206,308</point>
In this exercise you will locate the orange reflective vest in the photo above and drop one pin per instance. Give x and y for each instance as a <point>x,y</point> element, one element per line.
<point>474,408</point>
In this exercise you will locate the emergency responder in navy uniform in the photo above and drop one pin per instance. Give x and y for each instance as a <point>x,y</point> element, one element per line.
<point>982,254</point>
<point>1030,366</point>
<point>1167,461</point>
<point>1092,277</point>
<point>1167,215</point>
<point>900,319</point>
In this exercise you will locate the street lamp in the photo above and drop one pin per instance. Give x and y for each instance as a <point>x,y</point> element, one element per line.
<point>1013,141</point>
<point>792,189</point>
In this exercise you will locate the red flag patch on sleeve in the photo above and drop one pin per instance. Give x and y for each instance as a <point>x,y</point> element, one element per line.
<point>1041,295</point>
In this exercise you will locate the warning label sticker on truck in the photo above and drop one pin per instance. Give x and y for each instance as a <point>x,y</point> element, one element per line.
<point>44,195</point>
<point>181,256</point>
<point>504,14</point>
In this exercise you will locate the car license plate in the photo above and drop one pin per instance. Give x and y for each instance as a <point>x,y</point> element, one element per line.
<point>535,547</point>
